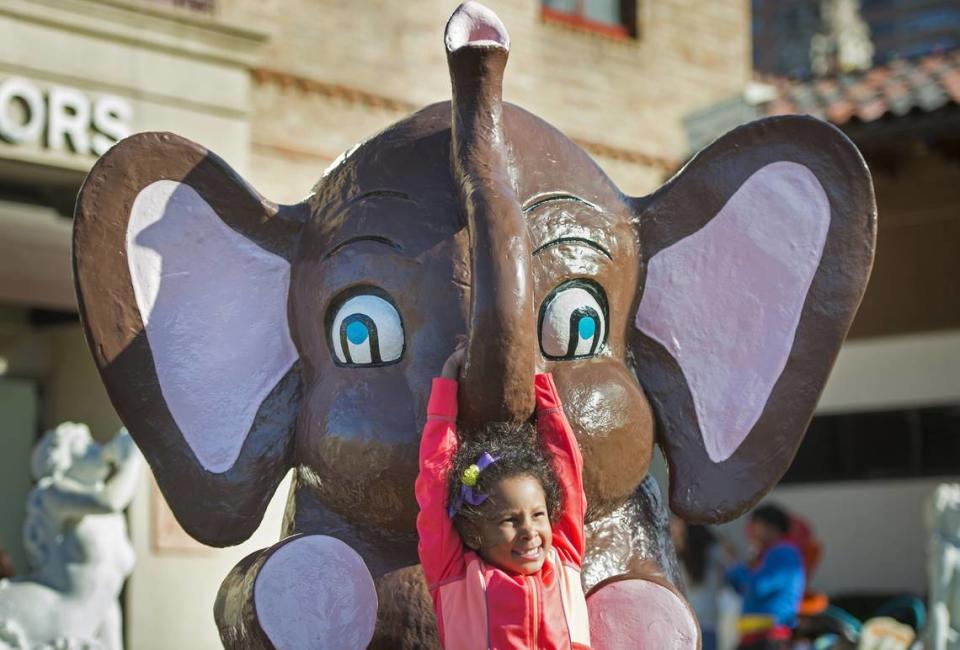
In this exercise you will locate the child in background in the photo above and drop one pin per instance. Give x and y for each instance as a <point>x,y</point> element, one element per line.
<point>501,528</point>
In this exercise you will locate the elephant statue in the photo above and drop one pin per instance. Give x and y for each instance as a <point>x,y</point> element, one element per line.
<point>76,540</point>
<point>239,339</point>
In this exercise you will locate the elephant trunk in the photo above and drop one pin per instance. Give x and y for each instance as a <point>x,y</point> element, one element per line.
<point>498,374</point>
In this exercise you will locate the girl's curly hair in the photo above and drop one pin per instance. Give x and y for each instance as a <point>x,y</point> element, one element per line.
<point>518,451</point>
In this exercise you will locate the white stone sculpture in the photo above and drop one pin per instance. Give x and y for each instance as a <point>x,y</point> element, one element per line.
<point>75,536</point>
<point>943,522</point>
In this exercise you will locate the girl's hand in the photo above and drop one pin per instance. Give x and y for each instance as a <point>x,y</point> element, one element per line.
<point>453,366</point>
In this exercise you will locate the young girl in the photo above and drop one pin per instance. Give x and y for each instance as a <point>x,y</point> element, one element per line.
<point>501,529</point>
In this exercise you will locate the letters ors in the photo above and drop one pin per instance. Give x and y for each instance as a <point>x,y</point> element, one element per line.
<point>61,118</point>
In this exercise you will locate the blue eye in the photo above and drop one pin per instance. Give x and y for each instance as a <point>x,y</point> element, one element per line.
<point>573,321</point>
<point>587,327</point>
<point>357,331</point>
<point>366,331</point>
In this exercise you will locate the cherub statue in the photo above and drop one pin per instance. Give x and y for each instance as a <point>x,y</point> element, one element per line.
<point>76,539</point>
<point>943,524</point>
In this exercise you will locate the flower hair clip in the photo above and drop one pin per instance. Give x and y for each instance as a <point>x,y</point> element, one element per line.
<point>468,481</point>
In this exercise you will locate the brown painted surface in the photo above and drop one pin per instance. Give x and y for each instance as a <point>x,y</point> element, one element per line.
<point>466,217</point>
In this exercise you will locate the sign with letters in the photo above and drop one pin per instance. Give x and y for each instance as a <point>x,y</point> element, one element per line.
<point>61,118</point>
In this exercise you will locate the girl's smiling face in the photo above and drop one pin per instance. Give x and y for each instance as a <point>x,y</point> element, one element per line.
<point>513,531</point>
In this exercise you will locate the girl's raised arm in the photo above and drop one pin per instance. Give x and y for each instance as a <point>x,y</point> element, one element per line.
<point>440,548</point>
<point>562,446</point>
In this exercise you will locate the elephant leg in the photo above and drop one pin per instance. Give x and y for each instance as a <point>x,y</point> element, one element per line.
<point>641,611</point>
<point>406,619</point>
<point>306,591</point>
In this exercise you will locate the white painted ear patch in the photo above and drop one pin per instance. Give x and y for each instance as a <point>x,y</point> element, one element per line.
<point>214,311</point>
<point>726,301</point>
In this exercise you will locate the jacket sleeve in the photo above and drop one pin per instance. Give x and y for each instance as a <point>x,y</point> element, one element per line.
<point>562,446</point>
<point>781,571</point>
<point>440,549</point>
<point>737,577</point>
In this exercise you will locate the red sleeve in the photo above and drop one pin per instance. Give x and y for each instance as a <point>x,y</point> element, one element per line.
<point>561,444</point>
<point>440,549</point>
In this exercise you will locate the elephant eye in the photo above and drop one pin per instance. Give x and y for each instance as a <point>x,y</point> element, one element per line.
<point>366,331</point>
<point>573,321</point>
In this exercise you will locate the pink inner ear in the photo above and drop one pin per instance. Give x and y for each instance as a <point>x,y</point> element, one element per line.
<point>214,310</point>
<point>725,302</point>
<point>474,24</point>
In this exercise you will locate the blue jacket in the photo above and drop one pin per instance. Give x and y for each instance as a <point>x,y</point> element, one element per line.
<point>775,586</point>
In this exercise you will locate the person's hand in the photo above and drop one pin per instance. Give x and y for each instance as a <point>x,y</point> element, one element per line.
<point>453,366</point>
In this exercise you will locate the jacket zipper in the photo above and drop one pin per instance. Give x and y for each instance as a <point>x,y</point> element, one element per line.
<point>536,613</point>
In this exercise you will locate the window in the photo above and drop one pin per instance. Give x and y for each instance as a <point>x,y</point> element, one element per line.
<point>907,443</point>
<point>910,28</point>
<point>616,18</point>
<point>782,33</point>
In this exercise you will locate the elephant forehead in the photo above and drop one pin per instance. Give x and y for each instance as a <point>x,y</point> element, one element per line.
<point>547,161</point>
<point>563,218</point>
<point>413,156</point>
<point>411,223</point>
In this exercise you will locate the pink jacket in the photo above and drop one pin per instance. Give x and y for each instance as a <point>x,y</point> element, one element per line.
<point>480,606</point>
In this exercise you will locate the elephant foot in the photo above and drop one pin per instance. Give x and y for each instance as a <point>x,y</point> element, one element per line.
<point>642,612</point>
<point>307,591</point>
<point>406,620</point>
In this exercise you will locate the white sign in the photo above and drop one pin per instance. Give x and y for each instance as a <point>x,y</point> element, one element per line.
<point>62,118</point>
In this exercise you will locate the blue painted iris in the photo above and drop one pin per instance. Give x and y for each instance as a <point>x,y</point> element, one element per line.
<point>357,332</point>
<point>587,327</point>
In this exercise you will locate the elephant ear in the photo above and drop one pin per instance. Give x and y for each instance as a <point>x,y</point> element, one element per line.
<point>757,255</point>
<point>182,272</point>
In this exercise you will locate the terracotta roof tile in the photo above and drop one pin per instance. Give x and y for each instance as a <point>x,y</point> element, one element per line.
<point>860,91</point>
<point>840,112</point>
<point>933,63</point>
<point>951,84</point>
<point>872,110</point>
<point>895,88</point>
